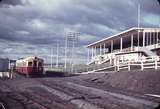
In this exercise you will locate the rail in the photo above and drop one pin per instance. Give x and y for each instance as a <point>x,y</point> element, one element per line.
<point>145,63</point>
<point>2,106</point>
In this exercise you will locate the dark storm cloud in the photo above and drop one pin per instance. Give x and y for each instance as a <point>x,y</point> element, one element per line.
<point>87,13</point>
<point>10,2</point>
<point>158,1</point>
<point>149,6</point>
<point>43,22</point>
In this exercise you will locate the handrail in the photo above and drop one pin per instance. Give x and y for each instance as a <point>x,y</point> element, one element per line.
<point>143,61</point>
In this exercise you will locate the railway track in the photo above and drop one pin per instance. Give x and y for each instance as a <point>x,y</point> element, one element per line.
<point>31,100</point>
<point>45,93</point>
<point>97,97</point>
<point>2,106</point>
<point>15,98</point>
<point>19,101</point>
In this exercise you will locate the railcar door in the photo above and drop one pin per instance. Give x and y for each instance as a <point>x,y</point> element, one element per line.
<point>30,64</point>
<point>40,67</point>
<point>35,66</point>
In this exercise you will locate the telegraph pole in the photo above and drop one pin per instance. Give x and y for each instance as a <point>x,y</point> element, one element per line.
<point>138,21</point>
<point>74,39</point>
<point>71,37</point>
<point>72,60</point>
<point>57,54</point>
<point>51,58</point>
<point>65,66</point>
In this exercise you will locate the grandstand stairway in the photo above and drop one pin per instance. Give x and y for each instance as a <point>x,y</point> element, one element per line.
<point>147,51</point>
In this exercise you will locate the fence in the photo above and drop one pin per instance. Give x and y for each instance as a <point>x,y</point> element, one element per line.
<point>143,62</point>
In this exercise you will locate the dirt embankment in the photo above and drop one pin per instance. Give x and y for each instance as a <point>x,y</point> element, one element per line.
<point>120,90</point>
<point>136,81</point>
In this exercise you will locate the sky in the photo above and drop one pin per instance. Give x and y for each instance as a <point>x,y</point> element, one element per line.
<point>33,27</point>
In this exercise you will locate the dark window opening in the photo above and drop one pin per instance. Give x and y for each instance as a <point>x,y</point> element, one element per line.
<point>40,64</point>
<point>35,63</point>
<point>29,63</point>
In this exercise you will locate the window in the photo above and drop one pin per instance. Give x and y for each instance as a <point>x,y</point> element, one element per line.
<point>35,64</point>
<point>29,63</point>
<point>40,64</point>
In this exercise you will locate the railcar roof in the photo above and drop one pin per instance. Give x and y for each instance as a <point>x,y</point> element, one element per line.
<point>29,58</point>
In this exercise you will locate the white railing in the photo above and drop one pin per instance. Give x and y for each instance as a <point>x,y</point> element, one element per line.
<point>144,62</point>
<point>153,46</point>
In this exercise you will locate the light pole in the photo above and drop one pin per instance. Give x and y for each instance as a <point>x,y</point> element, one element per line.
<point>57,54</point>
<point>138,22</point>
<point>71,37</point>
<point>66,41</point>
<point>51,58</point>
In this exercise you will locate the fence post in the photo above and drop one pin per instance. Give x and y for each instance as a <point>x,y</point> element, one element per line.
<point>129,67</point>
<point>142,66</point>
<point>110,60</point>
<point>118,65</point>
<point>115,68</point>
<point>87,68</point>
<point>156,64</point>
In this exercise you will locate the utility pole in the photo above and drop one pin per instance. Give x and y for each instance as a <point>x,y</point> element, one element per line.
<point>57,54</point>
<point>51,58</point>
<point>138,22</point>
<point>74,39</point>
<point>66,41</point>
<point>71,37</point>
<point>72,60</point>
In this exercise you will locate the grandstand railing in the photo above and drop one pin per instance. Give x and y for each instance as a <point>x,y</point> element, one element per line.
<point>144,62</point>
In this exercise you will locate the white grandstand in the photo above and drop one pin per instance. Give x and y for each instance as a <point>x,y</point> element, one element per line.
<point>131,45</point>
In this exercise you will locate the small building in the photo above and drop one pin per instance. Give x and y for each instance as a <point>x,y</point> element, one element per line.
<point>131,44</point>
<point>5,68</point>
<point>4,64</point>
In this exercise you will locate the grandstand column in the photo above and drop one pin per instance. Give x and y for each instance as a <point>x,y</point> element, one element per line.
<point>95,51</point>
<point>131,42</point>
<point>138,39</point>
<point>100,49</point>
<point>154,38</point>
<point>157,41</point>
<point>121,44</point>
<point>157,38</point>
<point>144,39</point>
<point>104,48</point>
<point>88,55</point>
<point>150,42</point>
<point>92,52</point>
<point>112,46</point>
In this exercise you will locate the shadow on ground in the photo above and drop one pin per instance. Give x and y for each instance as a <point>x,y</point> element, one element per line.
<point>54,74</point>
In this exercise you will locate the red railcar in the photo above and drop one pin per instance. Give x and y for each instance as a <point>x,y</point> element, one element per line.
<point>30,66</point>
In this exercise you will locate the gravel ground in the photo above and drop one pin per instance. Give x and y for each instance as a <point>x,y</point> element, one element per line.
<point>121,90</point>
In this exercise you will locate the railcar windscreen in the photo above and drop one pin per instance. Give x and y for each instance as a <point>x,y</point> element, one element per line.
<point>35,63</point>
<point>29,64</point>
<point>39,64</point>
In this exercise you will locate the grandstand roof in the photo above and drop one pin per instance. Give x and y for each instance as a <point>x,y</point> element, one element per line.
<point>122,34</point>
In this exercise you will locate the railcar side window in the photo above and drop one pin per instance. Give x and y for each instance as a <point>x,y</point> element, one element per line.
<point>39,64</point>
<point>29,63</point>
<point>35,63</point>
